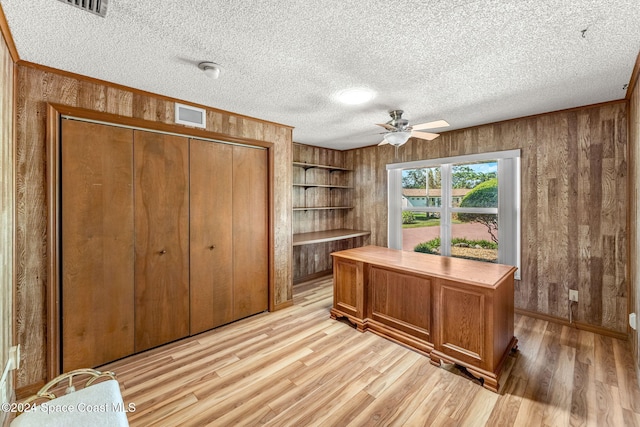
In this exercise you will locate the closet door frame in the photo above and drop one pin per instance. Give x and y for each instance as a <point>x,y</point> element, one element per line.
<point>55,114</point>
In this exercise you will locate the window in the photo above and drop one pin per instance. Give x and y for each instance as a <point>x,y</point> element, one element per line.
<point>470,206</point>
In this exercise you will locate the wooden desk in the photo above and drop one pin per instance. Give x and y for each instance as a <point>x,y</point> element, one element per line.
<point>451,309</point>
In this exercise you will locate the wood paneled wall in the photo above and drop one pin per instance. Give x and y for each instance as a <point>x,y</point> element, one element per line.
<point>309,260</point>
<point>7,211</point>
<point>634,211</point>
<point>574,204</point>
<point>35,88</point>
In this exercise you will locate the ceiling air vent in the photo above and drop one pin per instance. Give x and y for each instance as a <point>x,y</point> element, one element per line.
<point>98,7</point>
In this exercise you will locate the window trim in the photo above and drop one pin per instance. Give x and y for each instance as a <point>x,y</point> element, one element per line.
<point>508,191</point>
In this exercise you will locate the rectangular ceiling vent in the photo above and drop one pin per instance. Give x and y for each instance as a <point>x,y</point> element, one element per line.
<point>97,7</point>
<point>191,116</point>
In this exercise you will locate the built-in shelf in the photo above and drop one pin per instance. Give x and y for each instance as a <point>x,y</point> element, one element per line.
<point>322,208</point>
<point>322,186</point>
<point>327,236</point>
<point>311,165</point>
<point>329,168</point>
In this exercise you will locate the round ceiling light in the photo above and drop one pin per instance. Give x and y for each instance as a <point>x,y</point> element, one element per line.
<point>355,96</point>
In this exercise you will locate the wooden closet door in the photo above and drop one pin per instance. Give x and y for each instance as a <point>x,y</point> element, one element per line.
<point>250,231</point>
<point>97,271</point>
<point>162,238</point>
<point>211,235</point>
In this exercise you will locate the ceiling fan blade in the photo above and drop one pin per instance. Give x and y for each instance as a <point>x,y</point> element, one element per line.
<point>431,125</point>
<point>387,126</point>
<point>384,141</point>
<point>424,135</point>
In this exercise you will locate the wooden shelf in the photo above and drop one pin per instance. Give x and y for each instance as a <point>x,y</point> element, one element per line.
<point>327,236</point>
<point>322,186</point>
<point>322,208</point>
<point>311,165</point>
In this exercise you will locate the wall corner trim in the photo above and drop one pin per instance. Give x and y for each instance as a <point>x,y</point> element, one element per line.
<point>633,81</point>
<point>8,38</point>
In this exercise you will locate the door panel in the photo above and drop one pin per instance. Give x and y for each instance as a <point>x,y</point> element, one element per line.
<point>250,231</point>
<point>211,235</point>
<point>401,301</point>
<point>97,270</point>
<point>345,290</point>
<point>463,313</point>
<point>162,238</point>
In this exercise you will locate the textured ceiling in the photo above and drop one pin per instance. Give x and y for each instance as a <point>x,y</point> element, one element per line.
<point>468,62</point>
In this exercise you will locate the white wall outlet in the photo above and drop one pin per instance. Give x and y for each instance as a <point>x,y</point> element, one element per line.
<point>14,356</point>
<point>573,295</point>
<point>633,321</point>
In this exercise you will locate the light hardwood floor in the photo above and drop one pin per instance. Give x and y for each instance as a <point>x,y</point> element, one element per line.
<point>297,367</point>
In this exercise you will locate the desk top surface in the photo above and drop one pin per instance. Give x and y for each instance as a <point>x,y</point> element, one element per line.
<point>474,272</point>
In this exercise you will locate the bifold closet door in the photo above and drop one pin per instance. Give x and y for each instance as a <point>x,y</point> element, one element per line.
<point>250,231</point>
<point>97,253</point>
<point>161,238</point>
<point>211,235</point>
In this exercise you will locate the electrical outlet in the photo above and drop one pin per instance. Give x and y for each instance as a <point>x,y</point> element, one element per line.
<point>14,356</point>
<point>573,295</point>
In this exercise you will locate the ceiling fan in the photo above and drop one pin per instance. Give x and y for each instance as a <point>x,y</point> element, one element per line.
<point>399,130</point>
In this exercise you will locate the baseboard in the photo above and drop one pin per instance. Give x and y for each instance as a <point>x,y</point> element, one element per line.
<point>578,325</point>
<point>29,390</point>
<point>282,305</point>
<point>313,276</point>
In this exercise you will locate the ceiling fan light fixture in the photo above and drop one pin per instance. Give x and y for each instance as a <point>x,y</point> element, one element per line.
<point>397,138</point>
<point>211,69</point>
<point>355,96</point>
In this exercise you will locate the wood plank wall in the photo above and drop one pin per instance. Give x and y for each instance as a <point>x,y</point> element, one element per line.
<point>309,260</point>
<point>574,204</point>
<point>634,209</point>
<point>36,87</point>
<point>7,211</point>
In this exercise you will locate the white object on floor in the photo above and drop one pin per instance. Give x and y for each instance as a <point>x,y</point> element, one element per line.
<point>99,405</point>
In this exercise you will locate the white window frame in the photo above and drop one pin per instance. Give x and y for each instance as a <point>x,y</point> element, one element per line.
<point>508,209</point>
